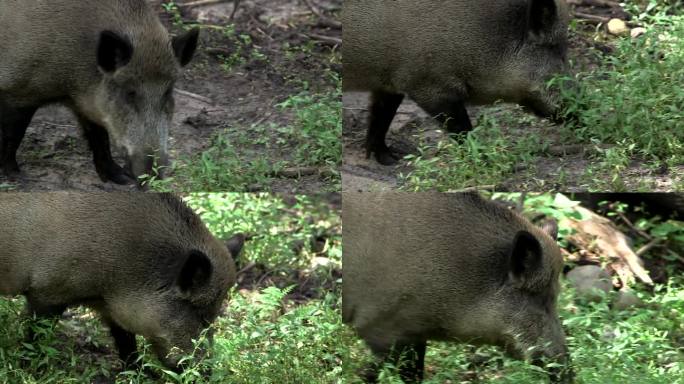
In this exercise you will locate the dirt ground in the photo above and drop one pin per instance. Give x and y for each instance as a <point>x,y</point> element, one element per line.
<point>412,125</point>
<point>54,155</point>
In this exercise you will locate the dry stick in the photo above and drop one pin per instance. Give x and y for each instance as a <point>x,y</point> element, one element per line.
<point>201,3</point>
<point>590,17</point>
<point>296,172</point>
<point>601,234</point>
<point>246,268</point>
<point>327,21</point>
<point>647,247</point>
<point>474,189</point>
<point>219,51</point>
<point>323,39</point>
<point>599,19</point>
<point>194,96</point>
<point>634,228</point>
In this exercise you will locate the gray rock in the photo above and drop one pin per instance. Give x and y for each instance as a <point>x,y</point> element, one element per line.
<point>590,281</point>
<point>627,299</point>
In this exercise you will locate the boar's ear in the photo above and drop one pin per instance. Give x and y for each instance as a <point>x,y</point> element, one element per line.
<point>541,15</point>
<point>526,256</point>
<point>184,46</point>
<point>235,244</point>
<point>550,227</point>
<point>196,271</point>
<point>113,51</point>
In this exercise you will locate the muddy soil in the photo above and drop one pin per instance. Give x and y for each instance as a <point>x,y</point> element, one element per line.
<point>210,97</point>
<point>549,172</point>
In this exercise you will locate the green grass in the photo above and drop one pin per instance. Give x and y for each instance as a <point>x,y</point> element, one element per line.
<point>263,336</point>
<point>255,157</point>
<point>628,108</point>
<point>484,157</point>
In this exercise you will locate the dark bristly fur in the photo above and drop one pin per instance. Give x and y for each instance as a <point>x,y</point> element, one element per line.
<point>444,54</point>
<point>145,262</point>
<point>110,61</point>
<point>431,266</point>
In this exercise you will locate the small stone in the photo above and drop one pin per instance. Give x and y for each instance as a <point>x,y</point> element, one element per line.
<point>638,31</point>
<point>590,282</point>
<point>617,27</point>
<point>625,300</point>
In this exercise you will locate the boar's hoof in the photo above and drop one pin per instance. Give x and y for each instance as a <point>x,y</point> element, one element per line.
<point>116,174</point>
<point>121,178</point>
<point>11,169</point>
<point>386,157</point>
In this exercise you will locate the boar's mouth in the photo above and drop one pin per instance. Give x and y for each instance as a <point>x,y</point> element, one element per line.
<point>139,165</point>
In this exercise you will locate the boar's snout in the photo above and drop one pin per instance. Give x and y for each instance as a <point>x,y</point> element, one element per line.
<point>555,351</point>
<point>174,357</point>
<point>150,163</point>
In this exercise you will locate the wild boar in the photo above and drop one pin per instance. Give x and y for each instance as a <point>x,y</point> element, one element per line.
<point>444,54</point>
<point>145,262</point>
<point>110,61</point>
<point>429,266</point>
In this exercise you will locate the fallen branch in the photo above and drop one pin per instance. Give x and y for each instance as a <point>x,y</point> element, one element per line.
<point>632,227</point>
<point>249,266</point>
<point>606,242</point>
<point>641,251</point>
<point>202,3</point>
<point>296,172</point>
<point>593,18</point>
<point>474,189</point>
<point>322,19</point>
<point>195,96</point>
<point>599,19</point>
<point>323,39</point>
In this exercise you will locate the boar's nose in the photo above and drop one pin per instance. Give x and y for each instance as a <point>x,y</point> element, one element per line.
<point>562,372</point>
<point>145,164</point>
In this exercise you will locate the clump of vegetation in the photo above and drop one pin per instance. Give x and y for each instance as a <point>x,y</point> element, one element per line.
<point>633,101</point>
<point>264,336</point>
<point>485,156</point>
<point>309,144</point>
<point>625,110</point>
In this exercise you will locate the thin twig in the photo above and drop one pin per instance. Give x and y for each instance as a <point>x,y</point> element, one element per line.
<point>647,247</point>
<point>247,267</point>
<point>634,228</point>
<point>201,3</point>
<point>194,96</point>
<point>321,16</point>
<point>323,39</point>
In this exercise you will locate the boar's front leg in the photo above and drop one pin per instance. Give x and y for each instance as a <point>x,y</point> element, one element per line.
<point>106,167</point>
<point>411,361</point>
<point>39,310</point>
<point>126,345</point>
<point>13,124</point>
<point>383,107</point>
<point>450,113</point>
